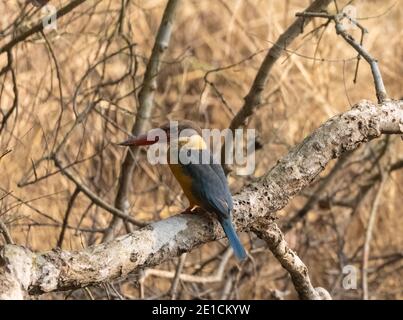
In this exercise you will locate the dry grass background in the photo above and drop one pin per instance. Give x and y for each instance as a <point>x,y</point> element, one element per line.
<point>301,94</point>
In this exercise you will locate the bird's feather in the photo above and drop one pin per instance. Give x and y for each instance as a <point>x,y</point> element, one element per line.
<point>209,190</point>
<point>233,239</point>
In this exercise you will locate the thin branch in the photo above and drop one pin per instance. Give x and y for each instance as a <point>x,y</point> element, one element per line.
<point>94,197</point>
<point>14,106</point>
<point>341,30</point>
<point>253,99</point>
<point>174,287</point>
<point>6,152</point>
<point>66,216</point>
<point>218,276</point>
<point>5,232</point>
<point>39,26</point>
<point>368,237</point>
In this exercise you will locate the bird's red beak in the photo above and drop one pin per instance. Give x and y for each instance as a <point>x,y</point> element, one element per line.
<point>151,137</point>
<point>140,140</point>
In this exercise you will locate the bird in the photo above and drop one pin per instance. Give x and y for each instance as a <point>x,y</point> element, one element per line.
<point>203,183</point>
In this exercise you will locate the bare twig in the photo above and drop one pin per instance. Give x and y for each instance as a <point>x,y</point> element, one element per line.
<point>174,287</point>
<point>6,152</point>
<point>67,215</point>
<point>14,106</point>
<point>5,232</point>
<point>228,285</point>
<point>218,276</point>
<point>94,197</point>
<point>89,293</point>
<point>368,237</point>
<point>341,30</point>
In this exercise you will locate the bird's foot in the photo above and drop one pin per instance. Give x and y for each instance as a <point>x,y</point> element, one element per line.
<point>190,209</point>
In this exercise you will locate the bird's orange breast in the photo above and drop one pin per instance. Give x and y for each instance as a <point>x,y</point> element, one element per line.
<point>185,182</point>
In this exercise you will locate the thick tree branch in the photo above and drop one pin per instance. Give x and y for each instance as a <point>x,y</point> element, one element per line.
<point>319,191</point>
<point>24,271</point>
<point>298,271</point>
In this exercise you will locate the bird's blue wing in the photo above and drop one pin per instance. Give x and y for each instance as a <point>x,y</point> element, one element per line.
<point>220,173</point>
<point>210,187</point>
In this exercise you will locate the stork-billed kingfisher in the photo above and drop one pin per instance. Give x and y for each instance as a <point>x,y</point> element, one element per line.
<point>203,182</point>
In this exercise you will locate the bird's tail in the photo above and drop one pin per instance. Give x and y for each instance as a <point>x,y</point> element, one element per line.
<point>233,239</point>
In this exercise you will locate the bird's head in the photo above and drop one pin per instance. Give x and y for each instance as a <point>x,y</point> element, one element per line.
<point>185,132</point>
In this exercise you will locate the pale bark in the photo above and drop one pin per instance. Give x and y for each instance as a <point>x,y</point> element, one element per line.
<point>290,261</point>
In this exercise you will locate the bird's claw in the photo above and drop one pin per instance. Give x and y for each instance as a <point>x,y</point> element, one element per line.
<point>190,209</point>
